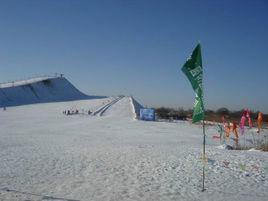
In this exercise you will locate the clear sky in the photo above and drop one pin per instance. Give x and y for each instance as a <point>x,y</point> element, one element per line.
<point>137,47</point>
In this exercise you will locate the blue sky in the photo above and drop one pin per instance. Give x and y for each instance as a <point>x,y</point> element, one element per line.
<point>138,48</point>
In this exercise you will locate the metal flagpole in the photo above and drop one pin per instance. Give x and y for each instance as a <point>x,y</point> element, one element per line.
<point>204,152</point>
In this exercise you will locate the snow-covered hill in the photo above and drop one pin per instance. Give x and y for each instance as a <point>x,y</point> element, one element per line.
<point>47,155</point>
<point>39,90</point>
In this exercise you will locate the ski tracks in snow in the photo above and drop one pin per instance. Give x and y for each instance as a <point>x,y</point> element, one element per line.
<point>100,111</point>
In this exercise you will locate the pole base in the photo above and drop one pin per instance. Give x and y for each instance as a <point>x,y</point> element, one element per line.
<point>203,190</point>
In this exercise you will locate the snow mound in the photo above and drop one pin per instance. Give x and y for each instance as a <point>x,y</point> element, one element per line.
<point>225,146</point>
<point>39,90</point>
<point>253,149</point>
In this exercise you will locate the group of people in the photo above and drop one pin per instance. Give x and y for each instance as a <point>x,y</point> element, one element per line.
<point>76,111</point>
<point>232,127</point>
<point>70,112</point>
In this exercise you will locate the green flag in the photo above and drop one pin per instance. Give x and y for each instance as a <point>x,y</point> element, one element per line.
<point>198,113</point>
<point>194,71</point>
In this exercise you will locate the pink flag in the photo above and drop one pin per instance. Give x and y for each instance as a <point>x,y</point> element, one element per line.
<point>249,120</point>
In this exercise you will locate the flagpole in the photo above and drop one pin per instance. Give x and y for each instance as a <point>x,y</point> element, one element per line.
<point>204,156</point>
<point>194,71</point>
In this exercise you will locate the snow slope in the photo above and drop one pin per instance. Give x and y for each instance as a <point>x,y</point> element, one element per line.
<point>46,155</point>
<point>122,108</point>
<point>39,90</point>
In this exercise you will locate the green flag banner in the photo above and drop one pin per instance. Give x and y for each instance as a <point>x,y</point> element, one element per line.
<point>198,113</point>
<point>194,71</point>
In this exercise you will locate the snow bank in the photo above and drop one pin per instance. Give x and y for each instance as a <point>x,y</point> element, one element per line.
<point>40,91</point>
<point>136,106</point>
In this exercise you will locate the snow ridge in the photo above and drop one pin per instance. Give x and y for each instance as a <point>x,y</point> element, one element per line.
<point>40,90</point>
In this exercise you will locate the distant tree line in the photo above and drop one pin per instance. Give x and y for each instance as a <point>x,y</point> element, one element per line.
<point>211,115</point>
<point>170,113</point>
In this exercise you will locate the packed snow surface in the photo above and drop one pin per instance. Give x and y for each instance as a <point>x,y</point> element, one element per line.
<point>47,155</point>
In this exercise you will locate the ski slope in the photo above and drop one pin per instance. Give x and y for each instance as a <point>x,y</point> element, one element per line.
<point>122,108</point>
<point>100,111</point>
<point>46,155</point>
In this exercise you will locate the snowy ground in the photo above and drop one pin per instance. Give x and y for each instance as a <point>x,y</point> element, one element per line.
<point>46,155</point>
